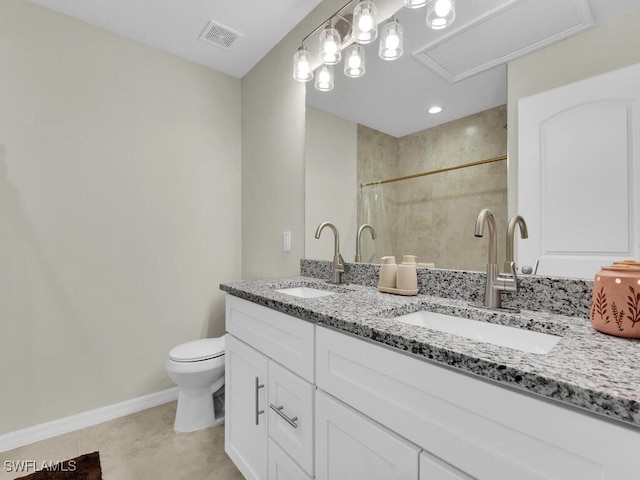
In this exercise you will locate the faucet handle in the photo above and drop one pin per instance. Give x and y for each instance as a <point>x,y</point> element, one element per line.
<point>509,268</point>
<point>343,266</point>
<point>508,282</point>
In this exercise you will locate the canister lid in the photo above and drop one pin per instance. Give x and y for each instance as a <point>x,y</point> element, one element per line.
<point>629,265</point>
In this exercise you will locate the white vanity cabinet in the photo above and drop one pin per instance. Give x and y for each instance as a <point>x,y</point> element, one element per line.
<point>269,373</point>
<point>468,427</point>
<point>306,401</point>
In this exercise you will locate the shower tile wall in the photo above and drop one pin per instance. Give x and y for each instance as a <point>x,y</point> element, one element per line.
<point>434,216</point>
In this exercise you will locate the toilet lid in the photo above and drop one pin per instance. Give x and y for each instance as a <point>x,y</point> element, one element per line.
<point>197,350</point>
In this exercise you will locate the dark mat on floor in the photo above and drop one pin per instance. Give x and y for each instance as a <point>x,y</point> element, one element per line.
<point>84,467</point>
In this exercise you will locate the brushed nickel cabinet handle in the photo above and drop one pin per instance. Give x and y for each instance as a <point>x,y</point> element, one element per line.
<point>258,411</point>
<point>290,421</point>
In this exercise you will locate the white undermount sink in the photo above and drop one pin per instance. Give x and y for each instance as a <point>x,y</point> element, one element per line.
<point>305,292</point>
<point>505,336</point>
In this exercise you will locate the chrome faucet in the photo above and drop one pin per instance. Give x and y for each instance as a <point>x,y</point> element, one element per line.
<point>339,267</point>
<point>364,226</point>
<point>510,264</point>
<point>495,282</point>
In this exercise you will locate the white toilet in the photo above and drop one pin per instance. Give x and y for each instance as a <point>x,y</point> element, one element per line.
<point>197,367</point>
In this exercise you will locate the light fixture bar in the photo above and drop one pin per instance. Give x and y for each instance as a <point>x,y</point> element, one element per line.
<point>327,20</point>
<point>415,3</point>
<point>361,27</point>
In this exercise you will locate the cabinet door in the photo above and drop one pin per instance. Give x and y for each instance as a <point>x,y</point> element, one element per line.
<point>281,467</point>
<point>351,446</point>
<point>432,468</point>
<point>291,414</point>
<point>245,409</point>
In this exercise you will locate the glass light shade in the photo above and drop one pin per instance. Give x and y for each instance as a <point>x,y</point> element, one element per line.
<point>330,46</point>
<point>440,13</point>
<point>365,25</point>
<point>324,78</point>
<point>415,3</point>
<point>301,67</point>
<point>391,40</point>
<point>354,61</point>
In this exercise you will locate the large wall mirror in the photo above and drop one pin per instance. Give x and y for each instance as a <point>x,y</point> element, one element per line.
<point>369,131</point>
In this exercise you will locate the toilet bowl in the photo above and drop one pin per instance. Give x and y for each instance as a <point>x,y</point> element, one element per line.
<point>197,368</point>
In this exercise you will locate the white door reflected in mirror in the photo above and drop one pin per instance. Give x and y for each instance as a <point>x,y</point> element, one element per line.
<point>577,185</point>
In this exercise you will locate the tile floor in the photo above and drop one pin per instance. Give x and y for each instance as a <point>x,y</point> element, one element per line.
<point>137,447</point>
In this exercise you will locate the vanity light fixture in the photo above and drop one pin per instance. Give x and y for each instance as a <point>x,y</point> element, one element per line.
<point>365,25</point>
<point>354,61</point>
<point>435,109</point>
<point>330,46</point>
<point>415,3</point>
<point>361,28</point>
<point>391,40</point>
<point>324,78</point>
<point>440,13</point>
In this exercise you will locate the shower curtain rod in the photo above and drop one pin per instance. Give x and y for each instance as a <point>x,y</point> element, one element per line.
<point>440,170</point>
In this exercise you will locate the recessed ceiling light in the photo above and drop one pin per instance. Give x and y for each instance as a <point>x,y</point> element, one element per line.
<point>435,109</point>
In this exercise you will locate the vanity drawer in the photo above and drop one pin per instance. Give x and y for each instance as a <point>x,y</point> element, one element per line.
<point>286,339</point>
<point>291,414</point>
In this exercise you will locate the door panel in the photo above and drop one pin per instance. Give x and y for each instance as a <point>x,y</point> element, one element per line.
<point>577,184</point>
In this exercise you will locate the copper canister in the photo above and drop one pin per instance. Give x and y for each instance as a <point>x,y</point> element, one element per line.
<point>615,302</point>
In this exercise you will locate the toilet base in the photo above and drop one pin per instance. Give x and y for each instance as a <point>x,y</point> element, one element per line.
<point>195,410</point>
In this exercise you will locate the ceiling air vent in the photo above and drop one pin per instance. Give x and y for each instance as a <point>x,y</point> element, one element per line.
<point>219,35</point>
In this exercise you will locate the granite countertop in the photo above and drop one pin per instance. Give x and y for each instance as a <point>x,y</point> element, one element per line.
<point>586,369</point>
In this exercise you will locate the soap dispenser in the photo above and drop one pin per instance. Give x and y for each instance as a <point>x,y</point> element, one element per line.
<point>388,270</point>
<point>407,276</point>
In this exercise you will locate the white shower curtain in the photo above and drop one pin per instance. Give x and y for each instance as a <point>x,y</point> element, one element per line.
<point>372,210</point>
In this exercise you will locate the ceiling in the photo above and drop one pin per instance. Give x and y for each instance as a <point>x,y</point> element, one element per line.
<point>462,68</point>
<point>175,26</point>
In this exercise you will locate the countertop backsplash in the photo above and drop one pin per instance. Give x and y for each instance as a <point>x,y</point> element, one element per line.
<point>562,296</point>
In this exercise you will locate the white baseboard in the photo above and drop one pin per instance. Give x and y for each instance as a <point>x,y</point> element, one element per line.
<point>19,438</point>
